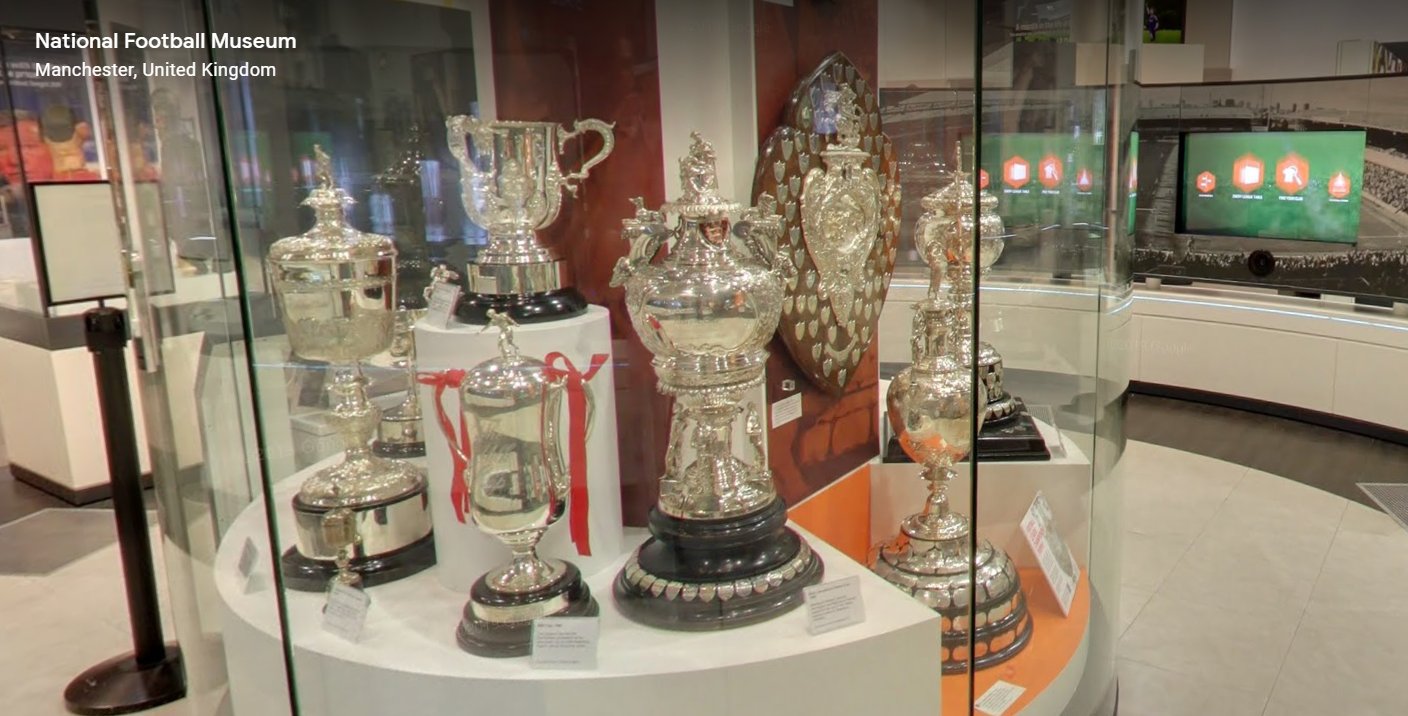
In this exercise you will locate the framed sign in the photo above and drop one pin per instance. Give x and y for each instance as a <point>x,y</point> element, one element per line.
<point>77,244</point>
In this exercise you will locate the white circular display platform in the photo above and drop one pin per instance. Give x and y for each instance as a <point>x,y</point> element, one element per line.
<point>464,551</point>
<point>407,661</point>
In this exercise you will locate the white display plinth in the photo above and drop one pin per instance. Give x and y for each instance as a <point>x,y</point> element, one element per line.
<point>462,551</point>
<point>407,661</point>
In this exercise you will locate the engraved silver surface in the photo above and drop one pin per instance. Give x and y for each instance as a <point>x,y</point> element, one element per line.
<point>841,208</point>
<point>671,589</point>
<point>707,312</point>
<point>518,477</point>
<point>335,287</point>
<point>512,186</point>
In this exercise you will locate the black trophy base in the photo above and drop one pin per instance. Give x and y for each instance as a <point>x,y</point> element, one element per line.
<point>708,575</point>
<point>499,640</point>
<point>1015,438</point>
<point>530,308</point>
<point>121,686</point>
<point>398,451</point>
<point>306,574</point>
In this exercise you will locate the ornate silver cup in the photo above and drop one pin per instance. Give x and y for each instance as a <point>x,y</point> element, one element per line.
<point>518,487</point>
<point>399,433</point>
<point>512,185</point>
<point>720,554</point>
<point>929,405</point>
<point>335,286</point>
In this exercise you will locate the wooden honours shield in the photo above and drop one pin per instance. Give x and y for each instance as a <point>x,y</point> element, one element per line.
<point>836,180</point>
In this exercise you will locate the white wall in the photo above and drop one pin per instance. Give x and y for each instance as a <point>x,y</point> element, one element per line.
<point>1275,39</point>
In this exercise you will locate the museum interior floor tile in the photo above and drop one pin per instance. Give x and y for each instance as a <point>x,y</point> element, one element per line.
<point>1243,593</point>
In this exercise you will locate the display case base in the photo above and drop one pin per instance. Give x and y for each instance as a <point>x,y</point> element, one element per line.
<point>311,575</point>
<point>121,686</point>
<point>501,640</point>
<point>706,575</point>
<point>1016,438</point>
<point>474,308</point>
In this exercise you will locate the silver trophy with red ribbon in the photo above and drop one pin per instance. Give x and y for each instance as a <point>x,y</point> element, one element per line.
<point>517,485</point>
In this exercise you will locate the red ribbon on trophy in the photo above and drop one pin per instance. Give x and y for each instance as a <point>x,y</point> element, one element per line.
<point>459,489</point>
<point>576,443</point>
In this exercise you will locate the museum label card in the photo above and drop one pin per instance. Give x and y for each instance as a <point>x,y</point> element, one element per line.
<point>249,556</point>
<point>565,642</point>
<point>345,613</point>
<point>996,700</point>
<point>786,410</point>
<point>1055,558</point>
<point>443,298</point>
<point>834,605</point>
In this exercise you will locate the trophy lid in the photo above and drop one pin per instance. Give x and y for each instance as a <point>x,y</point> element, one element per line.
<point>506,379</point>
<point>332,239</point>
<point>700,181</point>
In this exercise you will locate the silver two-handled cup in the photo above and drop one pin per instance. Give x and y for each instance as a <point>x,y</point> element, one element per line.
<point>512,184</point>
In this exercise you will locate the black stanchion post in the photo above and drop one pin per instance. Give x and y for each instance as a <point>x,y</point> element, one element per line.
<point>152,674</point>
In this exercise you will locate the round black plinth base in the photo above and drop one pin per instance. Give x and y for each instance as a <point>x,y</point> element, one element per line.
<point>990,658</point>
<point>120,686</point>
<point>498,640</point>
<point>398,451</point>
<point>675,580</point>
<point>311,575</point>
<point>531,308</point>
<point>662,612</point>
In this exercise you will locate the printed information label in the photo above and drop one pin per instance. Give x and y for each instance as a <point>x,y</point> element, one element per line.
<point>786,410</point>
<point>345,614</point>
<point>996,700</point>
<point>565,642</point>
<point>1055,558</point>
<point>834,605</point>
<point>442,303</point>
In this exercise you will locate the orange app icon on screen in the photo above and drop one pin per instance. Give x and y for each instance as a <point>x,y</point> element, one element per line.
<point>982,178</point>
<point>1248,173</point>
<point>1084,179</point>
<point>1340,185</point>
<point>1206,183</point>
<point>1016,172</point>
<point>1292,173</point>
<point>1051,171</point>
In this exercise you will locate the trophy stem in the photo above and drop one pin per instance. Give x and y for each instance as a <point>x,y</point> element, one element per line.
<point>354,417</point>
<point>938,475</point>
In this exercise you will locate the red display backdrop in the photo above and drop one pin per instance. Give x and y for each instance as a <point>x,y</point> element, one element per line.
<point>836,434</point>
<point>556,61</point>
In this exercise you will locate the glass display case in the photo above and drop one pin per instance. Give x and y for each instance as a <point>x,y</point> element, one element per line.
<point>648,356</point>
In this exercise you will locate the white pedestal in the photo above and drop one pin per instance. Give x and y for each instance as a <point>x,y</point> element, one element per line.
<point>463,552</point>
<point>407,661</point>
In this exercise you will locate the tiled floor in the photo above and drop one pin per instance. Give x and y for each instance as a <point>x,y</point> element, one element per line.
<point>1244,593</point>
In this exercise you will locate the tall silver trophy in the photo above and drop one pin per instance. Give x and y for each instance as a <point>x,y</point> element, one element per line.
<point>721,554</point>
<point>512,408</point>
<point>930,408</point>
<point>335,289</point>
<point>512,185</point>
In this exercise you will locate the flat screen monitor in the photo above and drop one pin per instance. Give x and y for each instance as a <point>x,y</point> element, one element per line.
<point>1283,185</point>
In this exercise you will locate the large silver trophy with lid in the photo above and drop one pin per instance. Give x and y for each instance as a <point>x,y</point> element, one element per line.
<point>518,487</point>
<point>335,288</point>
<point>721,554</point>
<point>512,186</point>
<point>930,408</point>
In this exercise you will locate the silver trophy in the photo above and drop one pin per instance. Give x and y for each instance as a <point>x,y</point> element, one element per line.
<point>512,186</point>
<point>930,408</point>
<point>721,554</point>
<point>518,486</point>
<point>399,433</point>
<point>335,288</point>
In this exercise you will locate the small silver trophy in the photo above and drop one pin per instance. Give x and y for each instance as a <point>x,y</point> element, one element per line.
<point>721,554</point>
<point>335,288</point>
<point>512,185</point>
<point>518,487</point>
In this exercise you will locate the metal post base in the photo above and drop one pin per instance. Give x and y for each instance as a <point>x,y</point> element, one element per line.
<point>120,686</point>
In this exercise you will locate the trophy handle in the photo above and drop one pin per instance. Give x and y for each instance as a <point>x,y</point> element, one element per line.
<point>760,228</point>
<point>646,233</point>
<point>552,449</point>
<point>457,128</point>
<point>579,127</point>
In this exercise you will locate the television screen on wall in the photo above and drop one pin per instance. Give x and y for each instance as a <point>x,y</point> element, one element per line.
<point>1283,185</point>
<point>1044,179</point>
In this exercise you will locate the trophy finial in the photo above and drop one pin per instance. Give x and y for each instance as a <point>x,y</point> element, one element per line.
<point>324,167</point>
<point>848,116</point>
<point>502,321</point>
<point>698,174</point>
